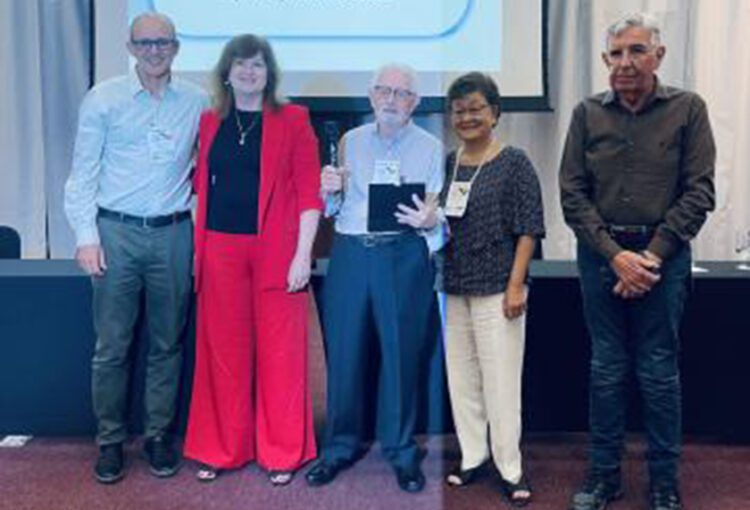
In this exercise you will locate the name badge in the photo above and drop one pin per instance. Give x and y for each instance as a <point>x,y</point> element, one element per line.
<point>161,145</point>
<point>457,199</point>
<point>387,171</point>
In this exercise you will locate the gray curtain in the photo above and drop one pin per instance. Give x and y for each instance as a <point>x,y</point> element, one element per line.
<point>44,61</point>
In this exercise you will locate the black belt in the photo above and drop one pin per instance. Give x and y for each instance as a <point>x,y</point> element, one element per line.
<point>632,237</point>
<point>145,222</point>
<point>372,240</point>
<point>643,230</point>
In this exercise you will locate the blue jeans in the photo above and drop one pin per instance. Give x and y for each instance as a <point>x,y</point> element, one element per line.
<point>644,332</point>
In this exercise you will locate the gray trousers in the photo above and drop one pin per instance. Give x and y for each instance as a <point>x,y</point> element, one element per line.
<point>154,263</point>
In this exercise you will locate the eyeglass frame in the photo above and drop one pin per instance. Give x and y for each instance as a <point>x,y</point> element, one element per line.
<point>159,44</point>
<point>472,113</point>
<point>386,92</point>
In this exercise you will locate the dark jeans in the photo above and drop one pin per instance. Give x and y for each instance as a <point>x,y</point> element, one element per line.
<point>642,332</point>
<point>155,262</point>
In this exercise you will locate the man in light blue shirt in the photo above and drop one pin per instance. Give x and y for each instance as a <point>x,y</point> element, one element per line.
<point>379,278</point>
<point>128,201</point>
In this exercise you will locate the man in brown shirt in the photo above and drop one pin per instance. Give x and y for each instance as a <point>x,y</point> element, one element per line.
<point>636,184</point>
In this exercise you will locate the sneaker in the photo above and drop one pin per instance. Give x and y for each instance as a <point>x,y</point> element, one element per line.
<point>596,493</point>
<point>665,498</point>
<point>109,465</point>
<point>163,460</point>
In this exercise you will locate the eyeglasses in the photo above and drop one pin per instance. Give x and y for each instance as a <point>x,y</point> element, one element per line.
<point>385,92</point>
<point>160,44</point>
<point>472,112</point>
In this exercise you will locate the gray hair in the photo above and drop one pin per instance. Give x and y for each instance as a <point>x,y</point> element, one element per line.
<point>404,69</point>
<point>156,16</point>
<point>635,19</point>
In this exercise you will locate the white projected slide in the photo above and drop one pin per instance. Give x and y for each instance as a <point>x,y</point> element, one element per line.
<point>328,48</point>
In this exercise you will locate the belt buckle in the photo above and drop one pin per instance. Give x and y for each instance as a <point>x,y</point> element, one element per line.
<point>369,241</point>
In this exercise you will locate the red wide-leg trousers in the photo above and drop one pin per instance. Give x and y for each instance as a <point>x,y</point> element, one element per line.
<point>250,398</point>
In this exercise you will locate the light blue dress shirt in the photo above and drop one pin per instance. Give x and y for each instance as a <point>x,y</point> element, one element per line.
<point>420,157</point>
<point>133,152</point>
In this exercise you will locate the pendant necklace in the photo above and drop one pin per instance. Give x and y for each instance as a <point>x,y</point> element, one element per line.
<point>244,130</point>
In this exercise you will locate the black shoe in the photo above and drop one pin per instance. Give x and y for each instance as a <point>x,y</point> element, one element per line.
<point>597,492</point>
<point>665,498</point>
<point>410,479</point>
<point>462,477</point>
<point>109,465</point>
<point>163,460</point>
<point>324,472</point>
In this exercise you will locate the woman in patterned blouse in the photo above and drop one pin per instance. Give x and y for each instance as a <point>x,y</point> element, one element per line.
<point>492,201</point>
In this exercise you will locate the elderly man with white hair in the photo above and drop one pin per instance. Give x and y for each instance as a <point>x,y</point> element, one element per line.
<point>379,278</point>
<point>636,183</point>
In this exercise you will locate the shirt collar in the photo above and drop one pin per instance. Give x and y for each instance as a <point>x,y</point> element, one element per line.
<point>136,87</point>
<point>660,93</point>
<point>400,134</point>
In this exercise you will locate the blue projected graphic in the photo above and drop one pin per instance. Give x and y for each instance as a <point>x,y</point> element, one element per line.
<point>342,35</point>
<point>318,18</point>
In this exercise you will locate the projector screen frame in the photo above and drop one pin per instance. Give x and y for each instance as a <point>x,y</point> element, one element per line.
<point>357,104</point>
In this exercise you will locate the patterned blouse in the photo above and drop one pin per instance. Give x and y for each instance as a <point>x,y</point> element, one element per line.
<point>505,203</point>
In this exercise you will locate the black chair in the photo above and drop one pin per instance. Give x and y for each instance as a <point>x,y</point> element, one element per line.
<point>10,243</point>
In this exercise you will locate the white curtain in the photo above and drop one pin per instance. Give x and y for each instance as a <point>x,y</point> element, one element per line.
<point>705,53</point>
<point>44,62</point>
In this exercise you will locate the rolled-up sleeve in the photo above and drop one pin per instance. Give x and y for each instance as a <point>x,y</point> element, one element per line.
<point>82,184</point>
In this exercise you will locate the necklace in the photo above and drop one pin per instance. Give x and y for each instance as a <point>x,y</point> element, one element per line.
<point>244,130</point>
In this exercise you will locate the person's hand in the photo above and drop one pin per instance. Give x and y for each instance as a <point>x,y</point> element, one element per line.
<point>90,258</point>
<point>625,292</point>
<point>299,273</point>
<point>637,274</point>
<point>423,216</point>
<point>514,301</point>
<point>332,180</point>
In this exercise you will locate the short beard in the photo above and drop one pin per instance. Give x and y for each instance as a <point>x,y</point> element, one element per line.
<point>391,120</point>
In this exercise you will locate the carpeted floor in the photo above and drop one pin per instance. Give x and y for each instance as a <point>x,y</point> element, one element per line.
<point>56,474</point>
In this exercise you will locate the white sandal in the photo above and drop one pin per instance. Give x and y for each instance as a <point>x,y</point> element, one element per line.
<point>207,473</point>
<point>280,477</point>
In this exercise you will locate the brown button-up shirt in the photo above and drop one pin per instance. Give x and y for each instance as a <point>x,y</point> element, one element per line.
<point>654,167</point>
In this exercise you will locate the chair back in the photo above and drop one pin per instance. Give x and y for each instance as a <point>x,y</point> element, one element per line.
<point>10,243</point>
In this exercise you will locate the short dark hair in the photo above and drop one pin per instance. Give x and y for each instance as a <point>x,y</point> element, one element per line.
<point>244,46</point>
<point>475,82</point>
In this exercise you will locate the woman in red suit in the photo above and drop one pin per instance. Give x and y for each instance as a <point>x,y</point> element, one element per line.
<point>257,182</point>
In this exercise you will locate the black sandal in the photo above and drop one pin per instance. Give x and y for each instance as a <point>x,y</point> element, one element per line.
<point>513,492</point>
<point>462,477</point>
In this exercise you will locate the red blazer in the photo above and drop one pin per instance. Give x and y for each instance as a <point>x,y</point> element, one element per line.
<point>289,185</point>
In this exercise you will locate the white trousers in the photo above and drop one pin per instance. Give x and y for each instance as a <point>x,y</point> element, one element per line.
<point>484,357</point>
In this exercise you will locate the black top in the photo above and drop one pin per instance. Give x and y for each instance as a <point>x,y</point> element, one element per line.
<point>234,175</point>
<point>653,168</point>
<point>505,202</point>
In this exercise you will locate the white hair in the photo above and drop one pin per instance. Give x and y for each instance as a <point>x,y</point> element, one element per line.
<point>156,16</point>
<point>403,69</point>
<point>634,19</point>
